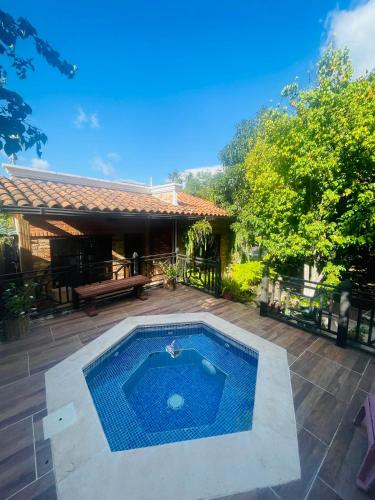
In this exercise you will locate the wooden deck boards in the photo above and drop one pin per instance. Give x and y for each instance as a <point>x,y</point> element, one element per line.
<point>328,385</point>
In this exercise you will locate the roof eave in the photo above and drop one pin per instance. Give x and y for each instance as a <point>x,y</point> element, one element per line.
<point>74,213</point>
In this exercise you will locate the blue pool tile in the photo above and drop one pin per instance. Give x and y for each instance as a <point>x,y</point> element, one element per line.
<point>132,382</point>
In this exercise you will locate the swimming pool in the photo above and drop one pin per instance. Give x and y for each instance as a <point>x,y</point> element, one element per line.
<point>145,396</point>
<point>264,453</point>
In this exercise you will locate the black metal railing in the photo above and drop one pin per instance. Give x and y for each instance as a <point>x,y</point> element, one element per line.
<point>200,273</point>
<point>53,287</point>
<point>337,312</point>
<point>152,265</point>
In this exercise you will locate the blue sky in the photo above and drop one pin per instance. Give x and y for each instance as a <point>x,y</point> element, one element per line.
<point>161,85</point>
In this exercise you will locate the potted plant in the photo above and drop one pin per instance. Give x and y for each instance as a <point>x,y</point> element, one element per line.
<point>226,289</point>
<point>230,289</point>
<point>16,302</point>
<point>170,272</point>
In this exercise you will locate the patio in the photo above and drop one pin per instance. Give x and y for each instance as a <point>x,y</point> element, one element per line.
<point>329,385</point>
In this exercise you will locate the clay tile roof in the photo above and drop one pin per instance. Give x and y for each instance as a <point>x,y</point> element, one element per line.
<point>20,192</point>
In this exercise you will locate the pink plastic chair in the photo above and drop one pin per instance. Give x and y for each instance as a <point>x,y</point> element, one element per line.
<point>366,474</point>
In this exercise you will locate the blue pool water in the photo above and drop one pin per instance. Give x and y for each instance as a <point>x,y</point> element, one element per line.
<point>145,397</point>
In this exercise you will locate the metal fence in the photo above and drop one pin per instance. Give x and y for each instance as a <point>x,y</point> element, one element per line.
<point>338,312</point>
<point>53,287</point>
<point>204,274</point>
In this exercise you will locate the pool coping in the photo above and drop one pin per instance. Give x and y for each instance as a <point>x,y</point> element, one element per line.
<point>209,467</point>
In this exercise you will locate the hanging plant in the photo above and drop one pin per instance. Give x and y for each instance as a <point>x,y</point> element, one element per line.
<point>7,231</point>
<point>198,237</point>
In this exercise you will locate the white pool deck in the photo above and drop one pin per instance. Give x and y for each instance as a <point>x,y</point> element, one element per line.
<point>85,467</point>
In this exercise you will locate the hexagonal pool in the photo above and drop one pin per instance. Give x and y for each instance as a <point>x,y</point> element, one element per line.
<point>170,383</point>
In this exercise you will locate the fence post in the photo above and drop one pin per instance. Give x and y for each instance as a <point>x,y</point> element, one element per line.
<point>135,264</point>
<point>218,278</point>
<point>264,297</point>
<point>343,324</point>
<point>74,281</point>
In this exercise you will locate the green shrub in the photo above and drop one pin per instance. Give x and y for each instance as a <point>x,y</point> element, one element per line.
<point>248,275</point>
<point>242,280</point>
<point>230,286</point>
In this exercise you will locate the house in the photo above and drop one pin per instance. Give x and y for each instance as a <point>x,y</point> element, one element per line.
<point>64,220</point>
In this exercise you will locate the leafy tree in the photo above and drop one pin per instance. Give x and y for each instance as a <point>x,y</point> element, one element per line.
<point>198,184</point>
<point>235,152</point>
<point>176,176</point>
<point>16,133</point>
<point>311,171</point>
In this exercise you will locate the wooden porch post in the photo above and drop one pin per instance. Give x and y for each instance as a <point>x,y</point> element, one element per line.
<point>174,235</point>
<point>24,242</point>
<point>147,249</point>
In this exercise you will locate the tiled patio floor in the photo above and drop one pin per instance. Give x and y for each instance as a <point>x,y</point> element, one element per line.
<point>329,384</point>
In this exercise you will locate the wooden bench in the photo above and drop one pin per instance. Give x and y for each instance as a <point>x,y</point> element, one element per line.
<point>366,474</point>
<point>90,292</point>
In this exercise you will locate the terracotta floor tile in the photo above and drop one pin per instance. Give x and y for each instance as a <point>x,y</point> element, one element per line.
<point>21,399</point>
<point>37,338</point>
<point>346,454</point>
<point>41,489</point>
<point>311,452</point>
<point>368,379</point>
<point>13,368</point>
<point>42,446</point>
<point>321,371</point>
<point>321,491</point>
<point>17,463</point>
<point>316,410</point>
<point>350,358</point>
<point>53,353</point>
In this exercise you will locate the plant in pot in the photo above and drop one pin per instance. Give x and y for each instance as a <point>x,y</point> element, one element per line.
<point>170,272</point>
<point>16,305</point>
<point>230,290</point>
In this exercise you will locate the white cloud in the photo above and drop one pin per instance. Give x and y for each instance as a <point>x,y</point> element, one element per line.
<point>114,156</point>
<point>82,118</point>
<point>214,169</point>
<point>94,121</point>
<point>40,164</point>
<point>105,165</point>
<point>355,29</point>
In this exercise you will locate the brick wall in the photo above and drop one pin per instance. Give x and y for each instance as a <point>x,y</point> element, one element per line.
<point>41,253</point>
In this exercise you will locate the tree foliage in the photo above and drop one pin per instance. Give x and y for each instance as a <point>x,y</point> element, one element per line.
<point>310,170</point>
<point>235,152</point>
<point>16,133</point>
<point>175,176</point>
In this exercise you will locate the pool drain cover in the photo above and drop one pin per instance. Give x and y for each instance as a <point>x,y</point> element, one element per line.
<point>176,401</point>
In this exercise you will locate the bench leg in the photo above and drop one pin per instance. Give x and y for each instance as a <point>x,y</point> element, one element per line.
<point>366,474</point>
<point>140,293</point>
<point>90,307</point>
<point>75,300</point>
